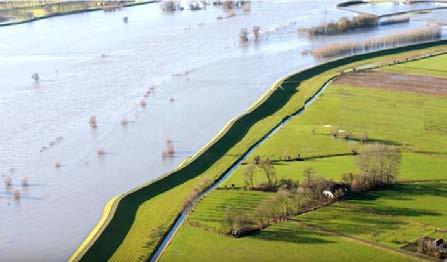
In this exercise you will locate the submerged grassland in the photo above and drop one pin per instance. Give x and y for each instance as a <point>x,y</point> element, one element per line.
<point>324,138</point>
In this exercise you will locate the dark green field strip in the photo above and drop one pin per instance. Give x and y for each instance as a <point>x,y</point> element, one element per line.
<point>115,232</point>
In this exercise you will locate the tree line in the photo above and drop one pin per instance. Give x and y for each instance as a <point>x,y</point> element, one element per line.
<point>378,166</point>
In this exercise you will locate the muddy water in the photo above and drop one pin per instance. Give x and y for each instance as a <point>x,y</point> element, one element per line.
<point>94,64</point>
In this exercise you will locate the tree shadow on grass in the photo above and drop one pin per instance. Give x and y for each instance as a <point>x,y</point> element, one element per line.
<point>405,191</point>
<point>296,234</point>
<point>347,220</point>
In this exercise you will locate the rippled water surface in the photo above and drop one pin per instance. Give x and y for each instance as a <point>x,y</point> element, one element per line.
<point>94,64</point>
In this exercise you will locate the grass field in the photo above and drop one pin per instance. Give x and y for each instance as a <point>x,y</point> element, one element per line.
<point>390,218</point>
<point>393,217</point>
<point>131,234</point>
<point>413,167</point>
<point>413,121</point>
<point>280,242</point>
<point>432,67</point>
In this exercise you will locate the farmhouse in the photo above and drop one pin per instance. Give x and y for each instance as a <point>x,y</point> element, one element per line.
<point>336,190</point>
<point>432,247</point>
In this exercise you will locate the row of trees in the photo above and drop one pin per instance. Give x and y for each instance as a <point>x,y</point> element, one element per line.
<point>269,171</point>
<point>405,37</point>
<point>378,165</point>
<point>291,198</point>
<point>343,25</point>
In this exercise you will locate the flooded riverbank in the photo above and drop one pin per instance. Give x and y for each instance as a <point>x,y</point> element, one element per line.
<point>94,64</point>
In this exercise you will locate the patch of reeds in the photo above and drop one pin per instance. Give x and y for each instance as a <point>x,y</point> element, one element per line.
<point>395,20</point>
<point>402,38</point>
<point>342,26</point>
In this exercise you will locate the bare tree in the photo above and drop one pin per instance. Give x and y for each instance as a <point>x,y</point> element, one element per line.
<point>243,35</point>
<point>379,163</point>
<point>363,137</point>
<point>249,173</point>
<point>270,172</point>
<point>256,30</point>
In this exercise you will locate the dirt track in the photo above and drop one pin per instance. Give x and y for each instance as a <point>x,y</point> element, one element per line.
<point>396,81</point>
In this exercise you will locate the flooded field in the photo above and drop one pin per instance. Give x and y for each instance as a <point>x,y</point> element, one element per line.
<point>385,8</point>
<point>197,73</point>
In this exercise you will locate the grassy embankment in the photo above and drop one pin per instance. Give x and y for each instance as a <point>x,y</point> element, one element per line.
<point>385,219</point>
<point>134,228</point>
<point>28,11</point>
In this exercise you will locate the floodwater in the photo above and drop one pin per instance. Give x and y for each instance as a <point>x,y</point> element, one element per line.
<point>94,64</point>
<point>383,8</point>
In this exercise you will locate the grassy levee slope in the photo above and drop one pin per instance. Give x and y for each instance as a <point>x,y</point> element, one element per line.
<point>125,235</point>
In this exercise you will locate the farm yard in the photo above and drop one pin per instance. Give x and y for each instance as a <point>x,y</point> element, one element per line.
<point>406,109</point>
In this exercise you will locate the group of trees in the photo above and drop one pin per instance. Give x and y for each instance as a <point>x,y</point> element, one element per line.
<point>343,25</point>
<point>378,165</point>
<point>291,198</point>
<point>269,171</point>
<point>197,191</point>
<point>244,34</point>
<point>405,37</point>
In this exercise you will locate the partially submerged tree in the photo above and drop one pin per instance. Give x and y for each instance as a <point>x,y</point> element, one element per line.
<point>243,35</point>
<point>256,35</point>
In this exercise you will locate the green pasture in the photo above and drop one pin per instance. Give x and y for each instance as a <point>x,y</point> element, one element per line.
<point>436,66</point>
<point>286,241</point>
<point>392,217</point>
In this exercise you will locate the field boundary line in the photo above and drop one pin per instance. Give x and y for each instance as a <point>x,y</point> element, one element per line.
<point>405,253</point>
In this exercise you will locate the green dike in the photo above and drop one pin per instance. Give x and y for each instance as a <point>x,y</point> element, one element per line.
<point>118,235</point>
